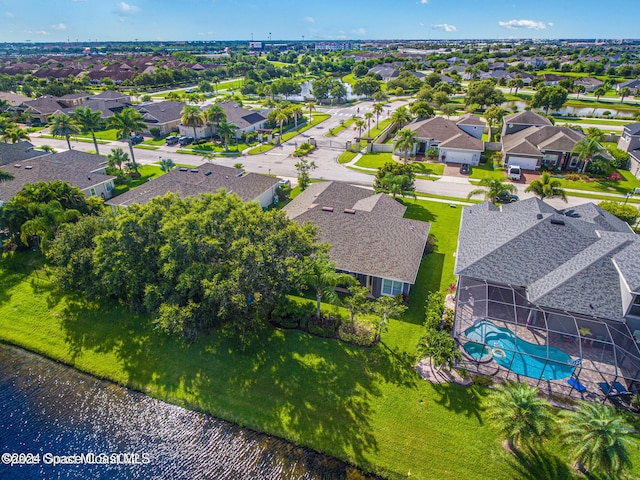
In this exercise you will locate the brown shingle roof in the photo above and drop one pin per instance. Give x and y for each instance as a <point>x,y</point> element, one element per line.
<point>442,130</point>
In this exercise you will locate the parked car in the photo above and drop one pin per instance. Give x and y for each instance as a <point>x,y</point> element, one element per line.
<point>172,140</point>
<point>185,140</point>
<point>464,169</point>
<point>136,139</point>
<point>514,172</point>
<point>506,197</point>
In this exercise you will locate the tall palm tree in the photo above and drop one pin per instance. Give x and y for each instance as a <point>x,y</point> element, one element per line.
<point>518,413</point>
<point>368,116</point>
<point>6,124</point>
<point>398,185</point>
<point>90,121</point>
<point>598,439</point>
<point>492,188</point>
<point>225,130</point>
<point>14,135</point>
<point>117,158</point>
<point>282,115</point>
<point>546,187</point>
<point>311,106</point>
<point>62,125</point>
<point>321,275</point>
<point>5,176</point>
<point>214,115</point>
<point>192,117</point>
<point>126,122</point>
<point>378,108</point>
<point>295,111</point>
<point>595,133</point>
<point>359,125</point>
<point>599,92</point>
<point>405,141</point>
<point>401,116</point>
<point>624,92</point>
<point>586,149</point>
<point>166,164</point>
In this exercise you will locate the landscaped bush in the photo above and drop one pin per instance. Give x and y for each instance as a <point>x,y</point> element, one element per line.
<point>303,149</point>
<point>359,332</point>
<point>482,380</point>
<point>324,327</point>
<point>155,132</point>
<point>291,314</point>
<point>430,246</point>
<point>599,168</point>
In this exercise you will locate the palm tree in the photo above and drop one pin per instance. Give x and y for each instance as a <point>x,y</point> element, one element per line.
<point>398,185</point>
<point>311,107</point>
<point>518,413</point>
<point>595,133</point>
<point>321,275</point>
<point>5,176</point>
<point>359,125</point>
<point>214,115</point>
<point>405,141</point>
<point>368,116</point>
<point>494,114</point>
<point>598,439</point>
<point>492,188</point>
<point>126,122</point>
<point>586,149</point>
<point>578,89</point>
<point>295,111</point>
<point>546,187</point>
<point>192,117</point>
<point>90,121</point>
<point>282,115</point>
<point>117,158</point>
<point>624,92</point>
<point>225,130</point>
<point>62,125</point>
<point>6,124</point>
<point>166,164</point>
<point>14,135</point>
<point>401,116</point>
<point>598,92</point>
<point>378,108</point>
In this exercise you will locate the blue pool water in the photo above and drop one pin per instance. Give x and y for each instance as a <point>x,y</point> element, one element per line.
<point>521,357</point>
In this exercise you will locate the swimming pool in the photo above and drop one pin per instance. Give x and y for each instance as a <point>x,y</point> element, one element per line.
<point>521,357</point>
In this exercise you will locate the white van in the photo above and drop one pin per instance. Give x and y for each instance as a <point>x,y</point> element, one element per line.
<point>514,172</point>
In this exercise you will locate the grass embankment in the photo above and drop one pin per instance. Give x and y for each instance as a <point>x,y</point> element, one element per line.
<point>367,406</point>
<point>317,118</point>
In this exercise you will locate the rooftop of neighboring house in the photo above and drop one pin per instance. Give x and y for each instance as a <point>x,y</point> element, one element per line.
<point>447,132</point>
<point>526,118</point>
<point>15,152</point>
<point>367,231</point>
<point>569,260</point>
<point>160,112</point>
<point>207,178</point>
<point>241,117</point>
<point>534,140</point>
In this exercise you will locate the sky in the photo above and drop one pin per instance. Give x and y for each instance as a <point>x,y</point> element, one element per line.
<point>323,20</point>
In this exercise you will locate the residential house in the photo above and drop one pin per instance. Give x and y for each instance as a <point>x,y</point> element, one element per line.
<point>16,152</point>
<point>548,294</point>
<point>551,80</point>
<point>43,108</point>
<point>164,115</point>
<point>458,141</point>
<point>108,103</point>
<point>387,71</point>
<point>245,120</point>
<point>368,235</point>
<point>589,83</point>
<point>83,170</point>
<point>530,141</point>
<point>633,85</point>
<point>207,178</point>
<point>629,141</point>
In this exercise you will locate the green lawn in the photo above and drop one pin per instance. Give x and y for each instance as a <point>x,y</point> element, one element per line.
<point>316,119</point>
<point>364,405</point>
<point>591,121</point>
<point>158,142</point>
<point>486,170</point>
<point>147,172</point>
<point>346,157</point>
<point>110,134</point>
<point>624,186</point>
<point>426,168</point>
<point>146,147</point>
<point>374,160</point>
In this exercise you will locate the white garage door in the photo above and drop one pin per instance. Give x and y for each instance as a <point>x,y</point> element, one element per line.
<point>525,163</point>
<point>456,156</point>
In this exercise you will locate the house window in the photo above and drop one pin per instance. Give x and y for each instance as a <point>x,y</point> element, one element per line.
<point>109,186</point>
<point>93,192</point>
<point>391,288</point>
<point>574,162</point>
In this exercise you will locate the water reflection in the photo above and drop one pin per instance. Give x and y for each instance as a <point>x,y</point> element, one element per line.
<point>51,408</point>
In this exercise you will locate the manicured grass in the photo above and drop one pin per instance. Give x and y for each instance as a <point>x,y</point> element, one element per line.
<point>76,139</point>
<point>627,185</point>
<point>159,142</point>
<point>350,79</point>
<point>591,121</point>
<point>486,170</point>
<point>110,134</point>
<point>147,172</point>
<point>346,157</point>
<point>426,168</point>
<point>317,118</point>
<point>374,160</point>
<point>146,147</point>
<point>376,131</point>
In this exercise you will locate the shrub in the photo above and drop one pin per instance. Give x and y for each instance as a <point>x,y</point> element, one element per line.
<point>430,246</point>
<point>573,177</point>
<point>291,314</point>
<point>359,332</point>
<point>303,149</point>
<point>432,152</point>
<point>599,168</point>
<point>625,212</point>
<point>325,327</point>
<point>482,380</point>
<point>155,131</point>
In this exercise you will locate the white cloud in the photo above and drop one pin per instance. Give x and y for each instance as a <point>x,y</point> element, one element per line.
<point>309,19</point>
<point>531,24</point>
<point>424,2</point>
<point>420,24</point>
<point>59,26</point>
<point>359,31</point>
<point>38,32</point>
<point>206,34</point>
<point>550,24</point>
<point>445,26</point>
<point>125,8</point>
<point>9,14</point>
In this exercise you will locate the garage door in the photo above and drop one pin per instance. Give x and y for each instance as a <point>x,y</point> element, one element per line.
<point>453,156</point>
<point>526,163</point>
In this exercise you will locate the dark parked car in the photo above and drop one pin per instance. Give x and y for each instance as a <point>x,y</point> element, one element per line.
<point>172,140</point>
<point>464,169</point>
<point>136,139</point>
<point>185,140</point>
<point>506,197</point>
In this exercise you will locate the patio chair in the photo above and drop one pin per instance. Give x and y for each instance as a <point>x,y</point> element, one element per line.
<point>621,389</point>
<point>576,385</point>
<point>607,389</point>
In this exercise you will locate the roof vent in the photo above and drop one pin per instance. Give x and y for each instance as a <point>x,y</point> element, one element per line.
<point>28,167</point>
<point>17,165</point>
<point>350,210</point>
<point>194,170</point>
<point>327,209</point>
<point>557,221</point>
<point>183,169</point>
<point>206,174</point>
<point>539,216</point>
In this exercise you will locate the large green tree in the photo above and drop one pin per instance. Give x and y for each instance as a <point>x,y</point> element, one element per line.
<point>516,411</point>
<point>483,93</point>
<point>89,121</point>
<point>126,122</point>
<point>549,98</point>
<point>546,187</point>
<point>396,169</point>
<point>598,439</point>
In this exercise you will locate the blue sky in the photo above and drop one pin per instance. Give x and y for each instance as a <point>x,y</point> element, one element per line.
<point>84,20</point>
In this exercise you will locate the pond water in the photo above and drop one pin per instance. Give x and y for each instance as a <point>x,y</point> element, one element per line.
<point>574,111</point>
<point>56,414</point>
<point>306,92</point>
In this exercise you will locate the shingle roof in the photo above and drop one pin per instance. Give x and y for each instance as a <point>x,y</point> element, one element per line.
<point>526,118</point>
<point>470,119</point>
<point>442,130</point>
<point>564,260</point>
<point>15,152</point>
<point>375,240</point>
<point>160,112</point>
<point>188,182</point>
<point>633,128</point>
<point>110,95</point>
<point>80,169</point>
<point>239,116</point>
<point>534,139</point>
